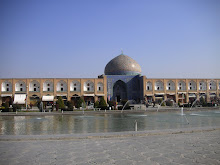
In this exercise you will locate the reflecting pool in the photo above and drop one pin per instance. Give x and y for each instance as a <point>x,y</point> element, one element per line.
<point>115,122</point>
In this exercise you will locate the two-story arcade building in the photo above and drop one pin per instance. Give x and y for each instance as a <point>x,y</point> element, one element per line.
<point>122,80</point>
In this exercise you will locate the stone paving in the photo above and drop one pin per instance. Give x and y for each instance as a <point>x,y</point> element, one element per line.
<point>181,148</point>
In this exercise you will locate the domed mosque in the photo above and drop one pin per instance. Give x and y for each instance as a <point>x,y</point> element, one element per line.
<point>123,79</point>
<point>122,65</point>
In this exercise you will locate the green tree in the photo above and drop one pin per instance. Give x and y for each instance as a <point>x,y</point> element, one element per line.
<point>202,101</point>
<point>97,104</point>
<point>102,103</point>
<point>60,103</point>
<point>80,102</point>
<point>70,105</point>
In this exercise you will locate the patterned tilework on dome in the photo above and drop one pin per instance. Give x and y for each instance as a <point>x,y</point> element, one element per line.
<point>122,65</point>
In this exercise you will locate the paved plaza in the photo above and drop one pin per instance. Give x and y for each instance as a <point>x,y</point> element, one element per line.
<point>167,148</point>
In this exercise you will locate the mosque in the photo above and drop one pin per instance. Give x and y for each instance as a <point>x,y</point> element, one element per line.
<point>122,80</point>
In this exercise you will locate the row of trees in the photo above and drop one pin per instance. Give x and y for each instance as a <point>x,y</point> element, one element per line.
<point>80,103</point>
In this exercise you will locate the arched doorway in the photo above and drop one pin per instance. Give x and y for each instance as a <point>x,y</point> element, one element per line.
<point>119,91</point>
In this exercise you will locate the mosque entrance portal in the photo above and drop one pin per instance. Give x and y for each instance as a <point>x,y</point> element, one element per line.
<point>119,91</point>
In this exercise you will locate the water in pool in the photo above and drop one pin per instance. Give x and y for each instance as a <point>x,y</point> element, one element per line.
<point>115,122</point>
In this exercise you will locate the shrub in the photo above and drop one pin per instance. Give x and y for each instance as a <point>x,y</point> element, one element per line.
<point>111,103</point>
<point>16,107</point>
<point>124,102</point>
<point>6,107</point>
<point>169,103</point>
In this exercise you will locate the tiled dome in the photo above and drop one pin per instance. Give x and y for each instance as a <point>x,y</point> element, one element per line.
<point>122,65</point>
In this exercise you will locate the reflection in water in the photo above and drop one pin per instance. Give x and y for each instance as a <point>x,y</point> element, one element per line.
<point>69,124</point>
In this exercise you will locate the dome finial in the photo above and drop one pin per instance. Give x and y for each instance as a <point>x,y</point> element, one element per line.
<point>121,51</point>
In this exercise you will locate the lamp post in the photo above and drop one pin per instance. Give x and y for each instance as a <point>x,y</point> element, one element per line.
<point>26,96</point>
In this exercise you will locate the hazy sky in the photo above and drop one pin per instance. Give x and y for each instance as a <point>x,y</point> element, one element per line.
<point>77,38</point>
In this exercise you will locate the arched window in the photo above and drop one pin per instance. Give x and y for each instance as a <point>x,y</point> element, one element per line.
<point>202,85</point>
<point>34,86</point>
<point>149,86</point>
<point>100,86</point>
<point>159,85</point>
<point>75,86</point>
<point>212,85</point>
<point>48,86</point>
<point>89,86</point>
<point>6,86</point>
<point>181,85</point>
<point>61,86</point>
<point>20,86</point>
<point>192,85</point>
<point>170,85</point>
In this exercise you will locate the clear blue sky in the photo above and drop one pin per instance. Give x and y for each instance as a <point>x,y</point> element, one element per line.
<point>77,38</point>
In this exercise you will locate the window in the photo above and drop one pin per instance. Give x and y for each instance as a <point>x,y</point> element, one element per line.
<point>180,83</point>
<point>200,83</point>
<point>7,89</point>
<point>35,89</point>
<point>7,85</point>
<point>21,89</point>
<point>48,85</point>
<point>169,88</point>
<point>48,89</point>
<point>169,84</point>
<point>88,84</point>
<point>74,84</point>
<point>190,88</point>
<point>148,88</point>
<point>180,88</point>
<point>190,83</point>
<point>61,89</point>
<point>61,84</point>
<point>210,87</point>
<point>99,88</point>
<point>21,85</point>
<point>35,85</point>
<point>201,88</point>
<point>74,89</point>
<point>158,88</point>
<point>88,89</point>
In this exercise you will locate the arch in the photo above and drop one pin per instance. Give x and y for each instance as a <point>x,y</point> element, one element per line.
<point>34,86</point>
<point>89,86</point>
<point>212,85</point>
<point>191,85</point>
<point>6,86</point>
<point>48,86</point>
<point>170,85</point>
<point>61,86</point>
<point>159,86</point>
<point>202,85</point>
<point>119,91</point>
<point>20,86</point>
<point>100,86</point>
<point>181,85</point>
<point>75,86</point>
<point>149,86</point>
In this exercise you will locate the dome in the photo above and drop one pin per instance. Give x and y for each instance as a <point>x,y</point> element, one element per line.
<point>122,65</point>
